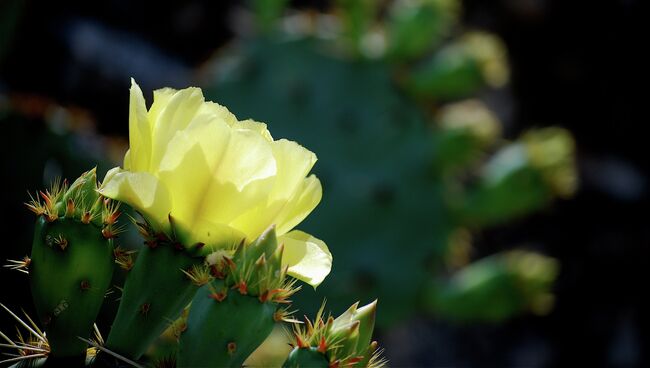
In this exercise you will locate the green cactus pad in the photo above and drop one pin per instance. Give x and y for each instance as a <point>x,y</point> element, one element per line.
<point>70,271</point>
<point>224,333</point>
<point>155,292</point>
<point>306,358</point>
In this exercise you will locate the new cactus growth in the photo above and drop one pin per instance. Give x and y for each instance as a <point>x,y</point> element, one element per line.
<point>232,315</point>
<point>71,264</point>
<point>342,342</point>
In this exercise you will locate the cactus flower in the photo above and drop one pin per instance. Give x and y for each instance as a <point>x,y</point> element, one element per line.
<point>197,173</point>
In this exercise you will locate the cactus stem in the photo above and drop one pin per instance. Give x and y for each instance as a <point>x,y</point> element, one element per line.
<point>232,347</point>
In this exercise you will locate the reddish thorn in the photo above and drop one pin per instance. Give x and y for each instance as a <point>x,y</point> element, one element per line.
<point>86,217</point>
<point>232,347</point>
<point>178,246</point>
<point>354,360</point>
<point>144,308</point>
<point>69,210</point>
<point>219,296</point>
<point>231,264</point>
<point>300,342</point>
<point>322,345</point>
<point>241,287</point>
<point>84,285</point>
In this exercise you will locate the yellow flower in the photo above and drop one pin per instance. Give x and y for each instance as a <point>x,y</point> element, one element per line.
<point>220,180</point>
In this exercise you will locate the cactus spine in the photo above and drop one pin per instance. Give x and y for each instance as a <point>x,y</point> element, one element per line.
<point>231,315</point>
<point>72,260</point>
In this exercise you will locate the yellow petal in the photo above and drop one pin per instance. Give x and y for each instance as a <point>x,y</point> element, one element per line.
<point>256,126</point>
<point>139,132</point>
<point>188,165</point>
<point>215,236</point>
<point>307,257</point>
<point>140,190</point>
<point>305,199</point>
<point>174,116</point>
<point>293,162</point>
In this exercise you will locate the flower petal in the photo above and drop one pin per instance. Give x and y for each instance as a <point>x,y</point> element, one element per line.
<point>308,258</point>
<point>256,126</point>
<point>139,132</point>
<point>140,190</point>
<point>187,167</point>
<point>293,162</point>
<point>174,116</point>
<point>305,199</point>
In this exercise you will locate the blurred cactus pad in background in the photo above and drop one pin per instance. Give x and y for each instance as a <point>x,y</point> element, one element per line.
<point>413,162</point>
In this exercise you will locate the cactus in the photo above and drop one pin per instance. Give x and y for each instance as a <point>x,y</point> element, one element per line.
<point>71,263</point>
<point>231,315</point>
<point>156,290</point>
<point>342,342</point>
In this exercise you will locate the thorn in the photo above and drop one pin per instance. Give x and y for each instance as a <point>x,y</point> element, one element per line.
<point>300,342</point>
<point>216,273</point>
<point>86,217</point>
<point>69,209</point>
<point>322,345</point>
<point>261,261</point>
<point>112,218</point>
<point>144,309</point>
<point>84,285</point>
<point>108,232</point>
<point>59,241</point>
<point>353,360</point>
<point>335,364</point>
<point>310,326</point>
<point>232,347</point>
<point>219,296</point>
<point>241,287</point>
<point>230,263</point>
<point>152,244</point>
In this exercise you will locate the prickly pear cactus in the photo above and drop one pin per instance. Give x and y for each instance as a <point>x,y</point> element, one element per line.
<point>342,342</point>
<point>71,263</point>
<point>155,292</point>
<point>232,314</point>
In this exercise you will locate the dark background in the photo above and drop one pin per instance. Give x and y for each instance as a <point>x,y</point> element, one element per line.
<point>577,64</point>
